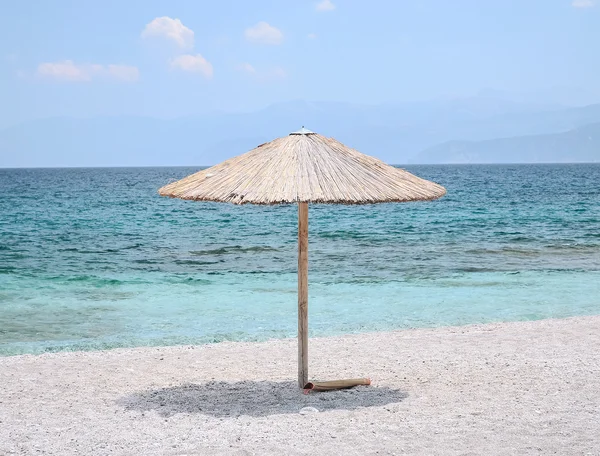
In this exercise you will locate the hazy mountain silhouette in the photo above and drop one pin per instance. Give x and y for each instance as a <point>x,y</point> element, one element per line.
<point>393,132</point>
<point>578,145</point>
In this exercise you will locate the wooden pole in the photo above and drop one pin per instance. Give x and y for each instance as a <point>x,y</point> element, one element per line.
<point>302,294</point>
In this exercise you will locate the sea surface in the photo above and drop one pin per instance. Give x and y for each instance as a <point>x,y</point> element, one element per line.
<point>95,259</point>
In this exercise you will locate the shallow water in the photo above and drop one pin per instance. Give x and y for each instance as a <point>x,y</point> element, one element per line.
<point>94,258</point>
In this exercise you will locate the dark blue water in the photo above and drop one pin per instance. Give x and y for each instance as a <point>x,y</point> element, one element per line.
<point>94,258</point>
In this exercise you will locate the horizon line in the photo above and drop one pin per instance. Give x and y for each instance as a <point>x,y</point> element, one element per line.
<point>209,166</point>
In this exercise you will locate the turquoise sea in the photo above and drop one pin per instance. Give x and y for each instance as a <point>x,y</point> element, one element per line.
<point>94,258</point>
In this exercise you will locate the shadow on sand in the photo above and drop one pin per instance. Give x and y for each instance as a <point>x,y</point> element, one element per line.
<point>222,399</point>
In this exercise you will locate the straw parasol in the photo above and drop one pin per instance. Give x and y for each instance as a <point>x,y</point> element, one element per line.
<point>303,167</point>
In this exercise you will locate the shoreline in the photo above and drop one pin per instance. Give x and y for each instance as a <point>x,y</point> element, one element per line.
<point>528,387</point>
<point>390,332</point>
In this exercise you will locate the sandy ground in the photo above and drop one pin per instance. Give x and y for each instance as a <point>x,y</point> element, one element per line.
<point>500,389</point>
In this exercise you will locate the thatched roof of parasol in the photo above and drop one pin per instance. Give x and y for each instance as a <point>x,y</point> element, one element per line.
<point>303,167</point>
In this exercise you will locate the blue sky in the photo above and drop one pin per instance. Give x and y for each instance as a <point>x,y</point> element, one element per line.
<point>175,58</point>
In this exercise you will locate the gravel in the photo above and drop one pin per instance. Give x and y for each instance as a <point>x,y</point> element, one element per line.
<point>498,389</point>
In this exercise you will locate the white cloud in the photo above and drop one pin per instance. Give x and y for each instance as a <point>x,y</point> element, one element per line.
<point>277,73</point>
<point>67,70</point>
<point>170,29</point>
<point>193,63</point>
<point>246,68</point>
<point>264,33</point>
<point>174,30</point>
<point>312,36</point>
<point>325,5</point>
<point>582,3</point>
<point>125,73</point>
<point>263,75</point>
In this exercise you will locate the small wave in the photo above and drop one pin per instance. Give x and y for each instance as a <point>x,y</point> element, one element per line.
<point>104,296</point>
<point>475,269</point>
<point>194,280</point>
<point>130,247</point>
<point>196,262</point>
<point>95,280</point>
<point>233,249</point>
<point>275,290</point>
<point>146,261</point>
<point>253,272</point>
<point>504,251</point>
<point>520,252</point>
<point>463,284</point>
<point>342,235</point>
<point>119,249</point>
<point>522,239</point>
<point>14,256</point>
<point>574,247</point>
<point>481,251</point>
<point>100,251</point>
<point>7,297</point>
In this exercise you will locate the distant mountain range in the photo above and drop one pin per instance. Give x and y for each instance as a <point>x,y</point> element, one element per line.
<point>578,145</point>
<point>462,130</point>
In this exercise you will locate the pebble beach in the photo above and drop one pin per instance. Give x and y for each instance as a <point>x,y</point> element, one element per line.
<point>501,389</point>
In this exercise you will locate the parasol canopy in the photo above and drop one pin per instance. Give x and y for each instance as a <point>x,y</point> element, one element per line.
<point>303,167</point>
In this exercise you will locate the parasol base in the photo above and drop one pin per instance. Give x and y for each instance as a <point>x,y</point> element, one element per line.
<point>332,385</point>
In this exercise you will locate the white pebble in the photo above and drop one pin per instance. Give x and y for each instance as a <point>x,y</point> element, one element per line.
<point>307,410</point>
